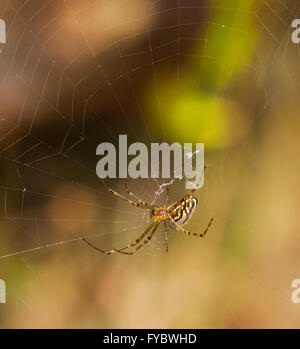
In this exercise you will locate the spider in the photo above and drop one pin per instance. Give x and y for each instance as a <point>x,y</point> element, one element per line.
<point>175,215</point>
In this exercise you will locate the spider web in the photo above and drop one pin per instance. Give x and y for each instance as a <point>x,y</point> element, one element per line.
<point>69,83</point>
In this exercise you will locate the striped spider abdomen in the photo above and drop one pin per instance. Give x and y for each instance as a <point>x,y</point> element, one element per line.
<point>182,211</point>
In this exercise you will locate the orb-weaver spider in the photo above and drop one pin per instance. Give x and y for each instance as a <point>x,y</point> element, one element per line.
<point>175,215</point>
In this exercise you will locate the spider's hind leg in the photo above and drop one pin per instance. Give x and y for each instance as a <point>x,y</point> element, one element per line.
<point>179,227</point>
<point>166,238</point>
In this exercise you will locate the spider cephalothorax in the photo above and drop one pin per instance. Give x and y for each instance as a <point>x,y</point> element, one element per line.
<point>176,215</point>
<point>159,214</point>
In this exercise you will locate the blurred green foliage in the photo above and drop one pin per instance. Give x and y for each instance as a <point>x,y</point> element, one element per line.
<point>200,112</point>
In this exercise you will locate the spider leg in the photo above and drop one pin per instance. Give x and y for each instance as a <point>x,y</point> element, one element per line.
<point>166,241</point>
<point>143,203</point>
<point>143,243</point>
<point>123,198</point>
<point>166,238</point>
<point>201,235</point>
<point>167,195</point>
<point>150,226</point>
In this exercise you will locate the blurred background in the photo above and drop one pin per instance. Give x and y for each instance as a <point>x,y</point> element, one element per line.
<point>77,73</point>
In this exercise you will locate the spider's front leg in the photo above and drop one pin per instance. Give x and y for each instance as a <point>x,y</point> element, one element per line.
<point>112,191</point>
<point>140,203</point>
<point>107,252</point>
<point>143,243</point>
